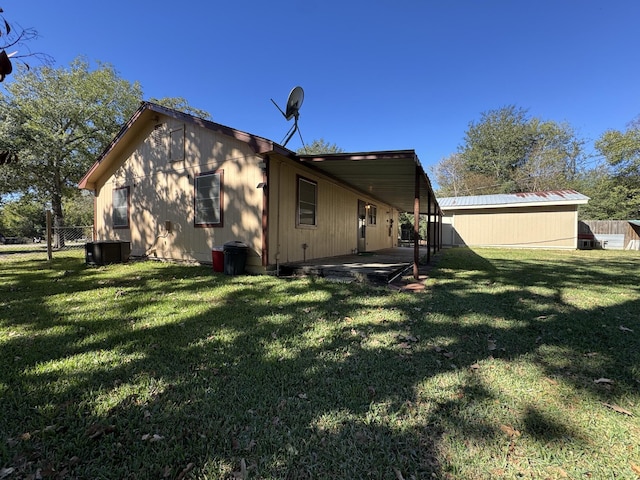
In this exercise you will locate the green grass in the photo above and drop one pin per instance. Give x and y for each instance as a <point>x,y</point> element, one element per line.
<point>512,364</point>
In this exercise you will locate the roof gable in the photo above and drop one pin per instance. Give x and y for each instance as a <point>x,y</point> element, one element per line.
<point>148,112</point>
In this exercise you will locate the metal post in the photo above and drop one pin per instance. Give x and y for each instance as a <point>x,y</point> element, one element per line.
<point>49,235</point>
<point>416,225</point>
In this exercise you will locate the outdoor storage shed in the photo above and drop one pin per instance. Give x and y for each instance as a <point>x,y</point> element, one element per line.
<point>523,220</point>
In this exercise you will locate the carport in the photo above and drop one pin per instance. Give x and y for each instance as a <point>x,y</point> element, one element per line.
<point>394,177</point>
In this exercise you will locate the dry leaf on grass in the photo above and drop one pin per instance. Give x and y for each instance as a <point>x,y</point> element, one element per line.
<point>185,470</point>
<point>635,468</point>
<point>512,432</point>
<point>618,409</point>
<point>605,381</point>
<point>625,329</point>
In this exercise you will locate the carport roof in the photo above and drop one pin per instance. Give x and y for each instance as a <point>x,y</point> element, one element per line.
<point>390,176</point>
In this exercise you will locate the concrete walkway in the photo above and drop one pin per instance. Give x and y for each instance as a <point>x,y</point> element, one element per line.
<point>390,266</point>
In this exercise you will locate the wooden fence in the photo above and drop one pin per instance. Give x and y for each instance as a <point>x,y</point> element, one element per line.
<point>628,233</point>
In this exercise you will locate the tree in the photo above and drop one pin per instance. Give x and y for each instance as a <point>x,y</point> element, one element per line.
<point>23,217</point>
<point>319,147</point>
<point>506,151</point>
<point>497,145</point>
<point>181,104</point>
<point>59,121</point>
<point>622,153</point>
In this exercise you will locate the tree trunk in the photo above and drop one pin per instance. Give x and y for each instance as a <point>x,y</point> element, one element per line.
<point>58,221</point>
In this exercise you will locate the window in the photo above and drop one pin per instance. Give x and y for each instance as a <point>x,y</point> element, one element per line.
<point>177,145</point>
<point>307,202</point>
<point>372,215</point>
<point>208,199</point>
<point>120,214</point>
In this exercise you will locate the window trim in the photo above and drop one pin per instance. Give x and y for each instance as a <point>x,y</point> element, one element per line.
<point>299,224</point>
<point>126,225</point>
<point>369,209</point>
<point>220,223</point>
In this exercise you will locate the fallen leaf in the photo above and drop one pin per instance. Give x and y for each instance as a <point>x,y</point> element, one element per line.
<point>491,345</point>
<point>242,474</point>
<point>591,354</point>
<point>5,472</point>
<point>625,329</point>
<point>634,467</point>
<point>606,381</point>
<point>475,366</point>
<point>398,474</point>
<point>448,355</point>
<point>185,470</point>
<point>618,409</point>
<point>404,345</point>
<point>303,396</point>
<point>167,472</point>
<point>512,432</point>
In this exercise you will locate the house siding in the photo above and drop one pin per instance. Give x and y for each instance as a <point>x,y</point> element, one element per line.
<point>161,186</point>
<point>162,193</point>
<point>336,232</point>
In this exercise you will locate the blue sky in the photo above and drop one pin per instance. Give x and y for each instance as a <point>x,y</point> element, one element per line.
<point>377,75</point>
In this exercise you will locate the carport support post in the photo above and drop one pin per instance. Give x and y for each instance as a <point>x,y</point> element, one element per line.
<point>416,225</point>
<point>429,236</point>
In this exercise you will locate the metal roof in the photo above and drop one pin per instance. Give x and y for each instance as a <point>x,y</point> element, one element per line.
<point>554,197</point>
<point>389,176</point>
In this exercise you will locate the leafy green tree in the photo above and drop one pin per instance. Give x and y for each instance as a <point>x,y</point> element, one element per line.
<point>319,147</point>
<point>59,121</point>
<point>56,121</point>
<point>622,153</point>
<point>507,151</point>
<point>24,217</point>
<point>497,145</point>
<point>78,208</point>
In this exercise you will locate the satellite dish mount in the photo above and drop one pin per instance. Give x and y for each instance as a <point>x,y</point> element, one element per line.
<point>294,102</point>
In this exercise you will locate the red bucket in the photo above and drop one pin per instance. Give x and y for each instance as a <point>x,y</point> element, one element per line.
<point>217,259</point>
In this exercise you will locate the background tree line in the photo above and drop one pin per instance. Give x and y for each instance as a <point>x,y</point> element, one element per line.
<point>508,151</point>
<point>54,122</point>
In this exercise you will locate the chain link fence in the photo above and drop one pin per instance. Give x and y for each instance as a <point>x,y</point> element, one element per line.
<point>70,237</point>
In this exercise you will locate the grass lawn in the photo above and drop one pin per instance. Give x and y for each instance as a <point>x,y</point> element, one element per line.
<point>512,364</point>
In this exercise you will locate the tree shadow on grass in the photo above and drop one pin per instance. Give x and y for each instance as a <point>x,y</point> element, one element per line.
<point>329,381</point>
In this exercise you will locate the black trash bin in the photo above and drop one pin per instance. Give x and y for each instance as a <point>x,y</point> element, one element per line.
<point>235,257</point>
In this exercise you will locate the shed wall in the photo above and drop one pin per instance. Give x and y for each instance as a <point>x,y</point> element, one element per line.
<point>535,227</point>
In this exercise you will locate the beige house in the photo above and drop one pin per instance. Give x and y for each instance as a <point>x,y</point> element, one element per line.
<point>176,187</point>
<point>525,220</point>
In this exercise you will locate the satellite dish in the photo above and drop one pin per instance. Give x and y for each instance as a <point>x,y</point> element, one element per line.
<point>294,102</point>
